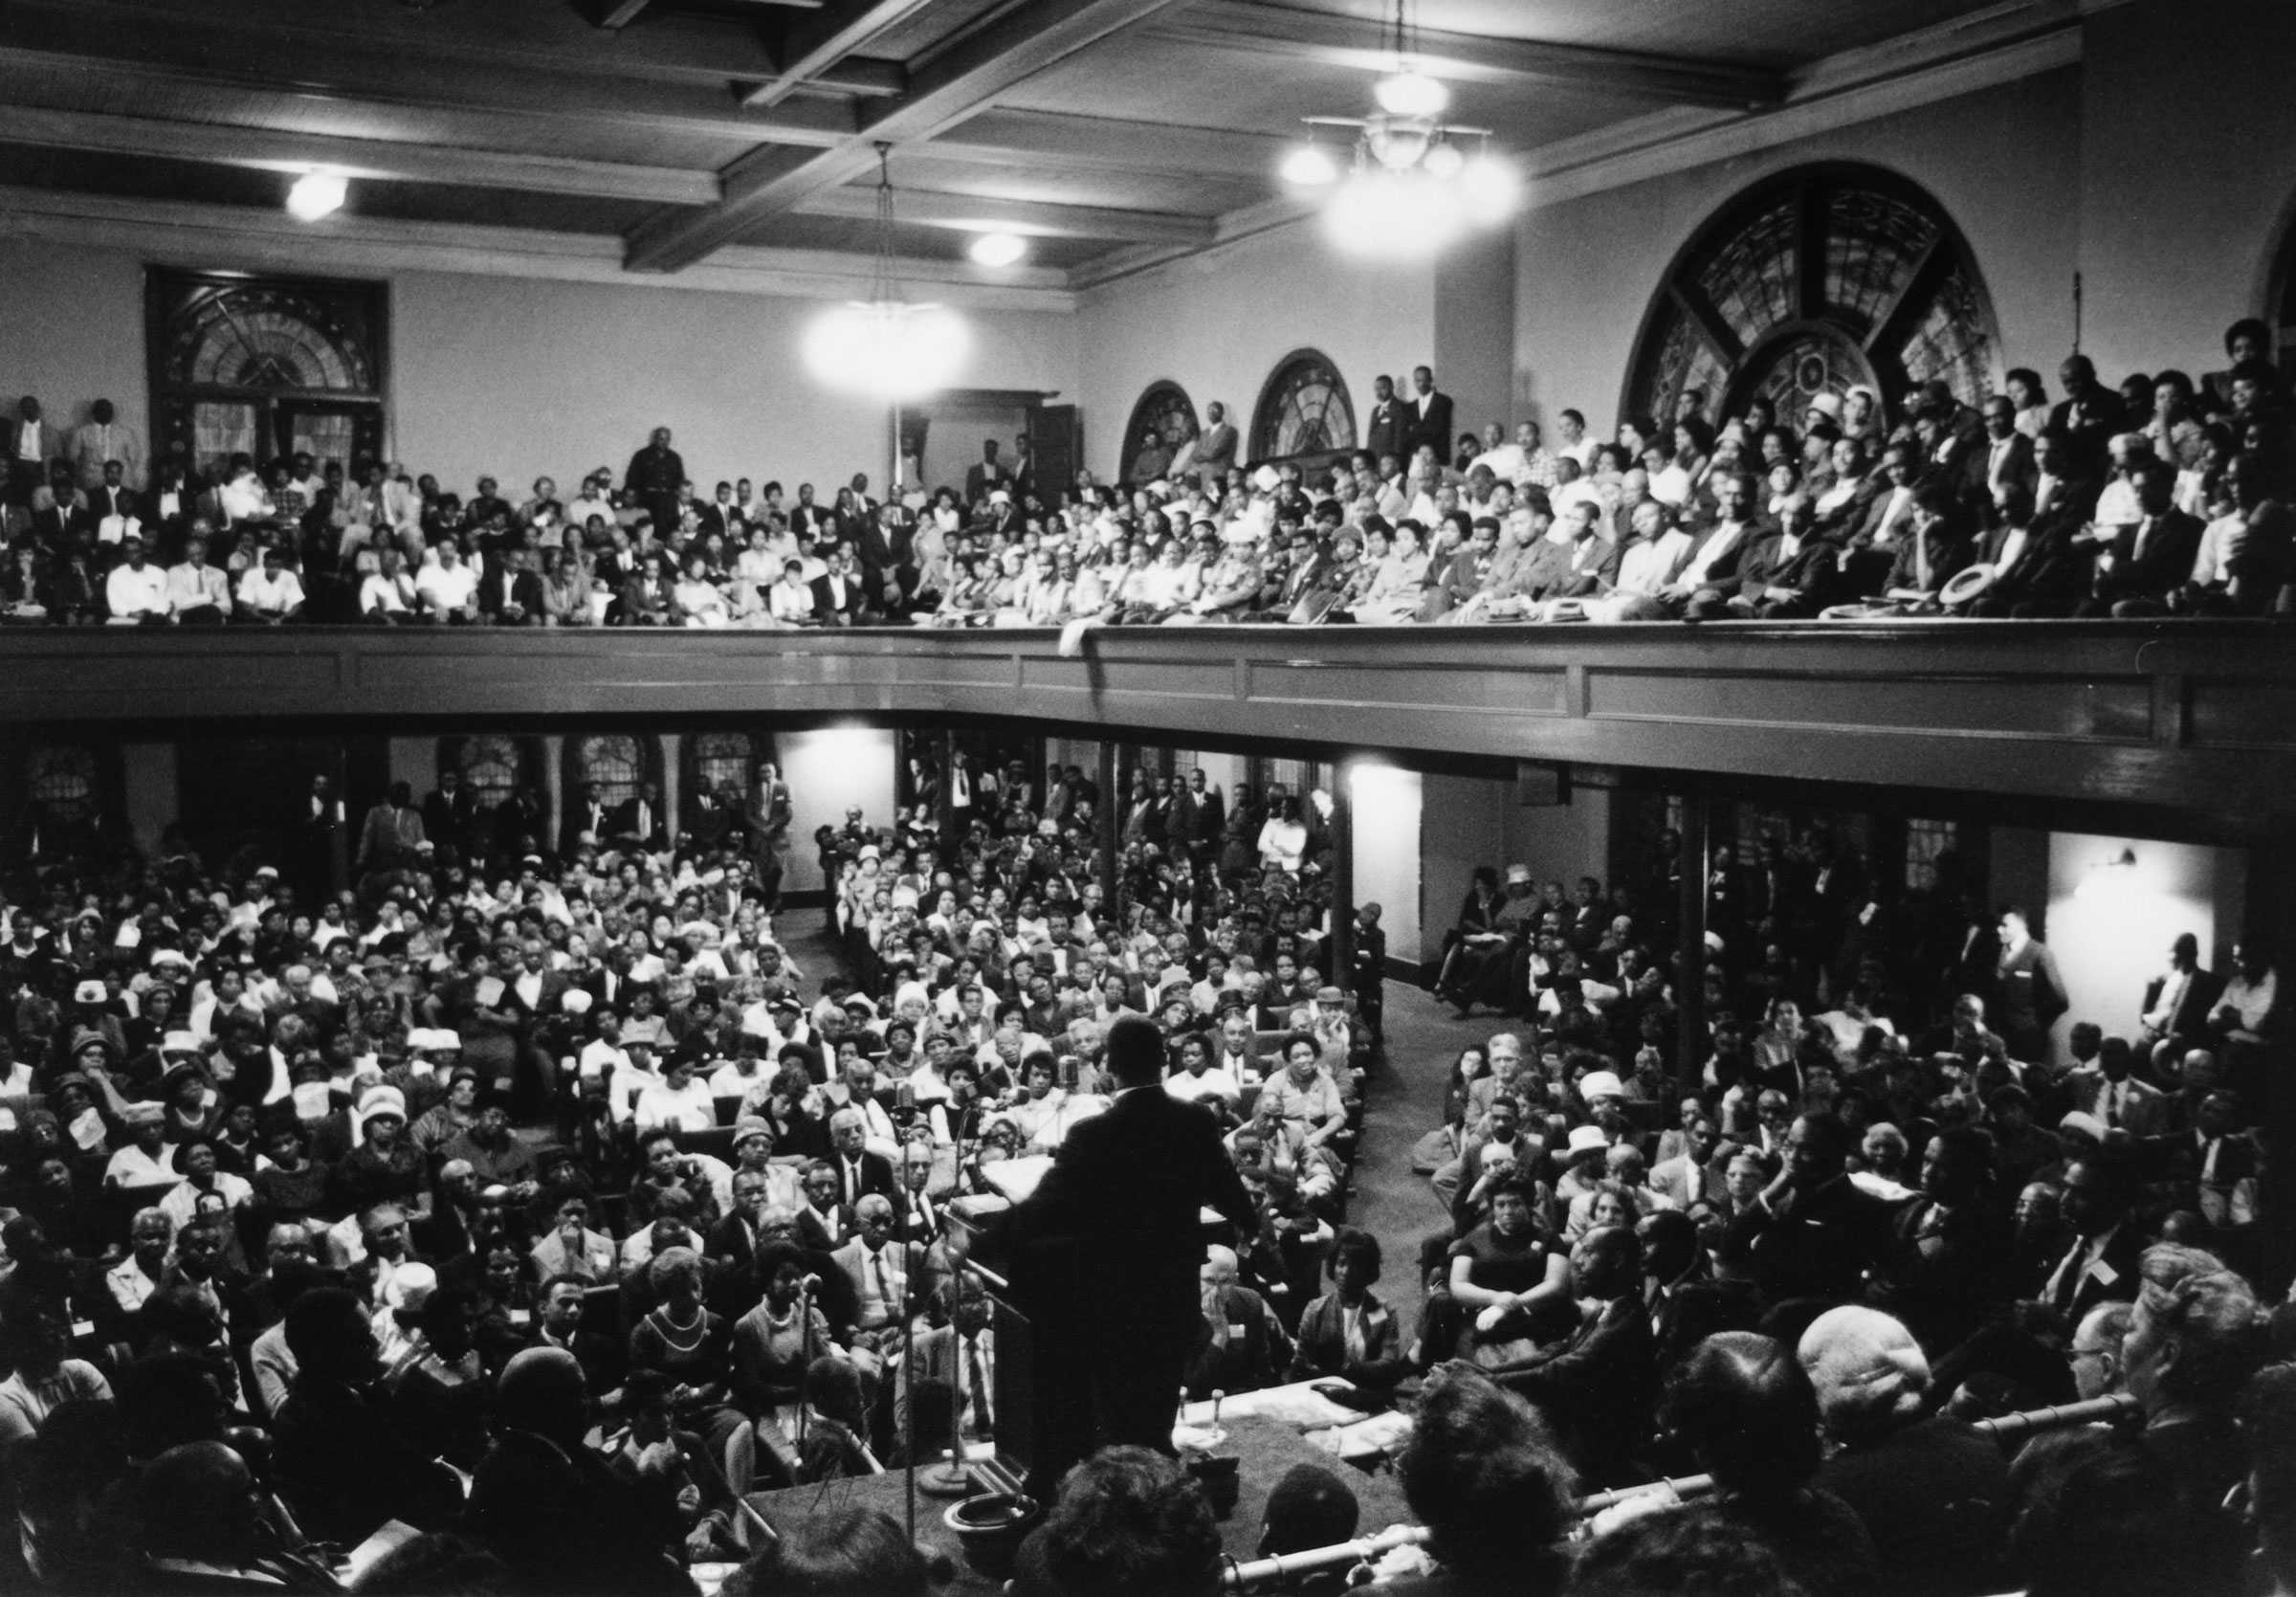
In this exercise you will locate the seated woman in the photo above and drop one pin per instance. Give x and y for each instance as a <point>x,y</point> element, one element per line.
<point>679,1340</point>
<point>1398,583</point>
<point>1508,1281</point>
<point>695,600</point>
<point>1348,1332</point>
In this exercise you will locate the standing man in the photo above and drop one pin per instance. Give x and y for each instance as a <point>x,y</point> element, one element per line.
<point>656,478</point>
<point>102,439</point>
<point>2028,994</point>
<point>393,837</point>
<point>31,443</point>
<point>1106,1251</point>
<point>1383,433</point>
<point>1216,450</point>
<point>991,473</point>
<point>1428,421</point>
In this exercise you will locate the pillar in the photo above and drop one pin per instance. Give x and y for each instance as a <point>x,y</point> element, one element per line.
<point>1690,983</point>
<point>1343,829</point>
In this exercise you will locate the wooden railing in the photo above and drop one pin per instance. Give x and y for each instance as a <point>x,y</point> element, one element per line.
<point>2196,715</point>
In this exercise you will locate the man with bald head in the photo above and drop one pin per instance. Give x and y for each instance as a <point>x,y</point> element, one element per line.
<point>1932,1491</point>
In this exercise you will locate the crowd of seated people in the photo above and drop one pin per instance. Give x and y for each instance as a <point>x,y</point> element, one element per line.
<point>2163,495</point>
<point>502,1180</point>
<point>1873,1205</point>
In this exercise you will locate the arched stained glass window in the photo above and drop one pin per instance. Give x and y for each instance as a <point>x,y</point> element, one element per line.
<point>494,767</point>
<point>61,779</point>
<point>1815,281</point>
<point>616,760</point>
<point>1162,424</point>
<point>717,758</point>
<point>1304,411</point>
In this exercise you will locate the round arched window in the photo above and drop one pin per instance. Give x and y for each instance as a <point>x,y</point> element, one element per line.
<point>1817,281</point>
<point>1163,423</point>
<point>1304,411</point>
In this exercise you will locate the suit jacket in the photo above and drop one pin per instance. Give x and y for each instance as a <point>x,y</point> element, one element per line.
<point>847,612</point>
<point>1428,423</point>
<point>652,834</point>
<point>448,819</point>
<point>51,441</point>
<point>106,501</point>
<point>2144,1107</point>
<point>876,1176</point>
<point>2192,1010</point>
<point>1110,1240</point>
<point>2047,570</point>
<point>1682,1180</point>
<point>1322,1346</point>
<point>2008,462</point>
<point>2111,1277</point>
<point>1383,433</point>
<point>1597,1385</point>
<point>2165,564</point>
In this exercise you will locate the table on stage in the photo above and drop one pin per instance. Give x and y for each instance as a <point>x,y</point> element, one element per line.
<point>1267,1446</point>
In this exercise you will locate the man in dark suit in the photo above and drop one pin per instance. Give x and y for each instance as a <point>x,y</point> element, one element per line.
<point>113,497</point>
<point>2100,1264</point>
<point>2177,1003</point>
<point>859,1171</point>
<point>449,811</point>
<point>2089,415</point>
<point>839,597</point>
<point>1383,429</point>
<point>557,1323</point>
<point>591,814</point>
<point>990,473</point>
<point>638,819</point>
<point>1106,1252</point>
<point>2036,568</point>
<point>1812,1232</point>
<point>1428,416</point>
<point>1596,1384</point>
<point>2139,566</point>
<point>2007,453</point>
<point>657,478</point>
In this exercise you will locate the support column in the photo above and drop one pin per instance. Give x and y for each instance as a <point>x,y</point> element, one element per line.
<point>1343,829</point>
<point>1112,820</point>
<point>554,785</point>
<point>1689,975</point>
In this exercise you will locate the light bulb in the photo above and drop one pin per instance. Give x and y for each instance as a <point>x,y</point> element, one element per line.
<point>997,249</point>
<point>1410,93</point>
<point>886,348</point>
<point>1309,165</point>
<point>1395,215</point>
<point>316,194</point>
<point>1491,189</point>
<point>1444,160</point>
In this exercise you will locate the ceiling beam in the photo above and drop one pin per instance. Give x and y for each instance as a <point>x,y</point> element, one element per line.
<point>817,42</point>
<point>971,213</point>
<point>350,90</point>
<point>266,149</point>
<point>1050,141</point>
<point>620,14</point>
<point>960,82</point>
<point>1339,40</point>
<point>688,47</point>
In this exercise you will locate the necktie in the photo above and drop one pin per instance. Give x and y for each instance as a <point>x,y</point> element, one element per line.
<point>2144,530</point>
<point>2067,1279</point>
<point>2112,1105</point>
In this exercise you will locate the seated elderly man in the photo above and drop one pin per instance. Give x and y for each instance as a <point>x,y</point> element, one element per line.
<point>1932,1492</point>
<point>1594,1385</point>
<point>1240,1346</point>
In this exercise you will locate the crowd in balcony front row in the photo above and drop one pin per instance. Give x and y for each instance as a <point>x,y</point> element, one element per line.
<point>2162,496</point>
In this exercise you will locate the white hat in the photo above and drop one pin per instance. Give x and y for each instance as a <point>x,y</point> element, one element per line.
<point>409,1288</point>
<point>1266,480</point>
<point>180,1042</point>
<point>1587,1138</point>
<point>575,1000</point>
<point>382,1100</point>
<point>1601,1083</point>
<point>1826,405</point>
<point>89,991</point>
<point>998,495</point>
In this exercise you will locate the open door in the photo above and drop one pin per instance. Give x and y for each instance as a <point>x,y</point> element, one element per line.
<point>1056,447</point>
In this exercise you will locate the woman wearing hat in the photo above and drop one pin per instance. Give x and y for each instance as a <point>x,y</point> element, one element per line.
<point>384,1166</point>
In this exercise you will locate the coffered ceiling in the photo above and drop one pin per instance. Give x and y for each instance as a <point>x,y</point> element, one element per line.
<point>687,133</point>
